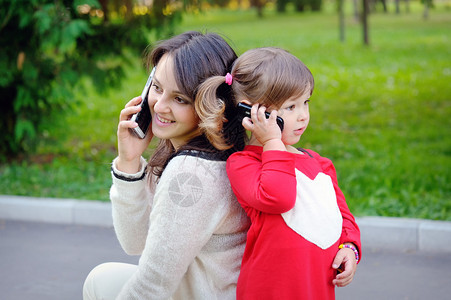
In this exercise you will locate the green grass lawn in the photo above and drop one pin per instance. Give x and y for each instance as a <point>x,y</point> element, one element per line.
<point>382,113</point>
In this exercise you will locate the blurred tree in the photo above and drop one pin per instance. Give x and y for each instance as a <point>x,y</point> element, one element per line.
<point>259,5</point>
<point>341,20</point>
<point>397,8</point>
<point>220,3</point>
<point>373,5</point>
<point>356,9</point>
<point>46,46</point>
<point>427,4</point>
<point>316,5</point>
<point>281,5</point>
<point>299,5</point>
<point>365,5</point>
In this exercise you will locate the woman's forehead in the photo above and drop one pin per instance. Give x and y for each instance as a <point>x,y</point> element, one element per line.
<point>164,74</point>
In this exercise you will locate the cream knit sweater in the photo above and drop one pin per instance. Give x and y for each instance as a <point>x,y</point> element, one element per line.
<point>190,232</point>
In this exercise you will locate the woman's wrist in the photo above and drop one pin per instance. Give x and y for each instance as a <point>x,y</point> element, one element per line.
<point>129,167</point>
<point>129,176</point>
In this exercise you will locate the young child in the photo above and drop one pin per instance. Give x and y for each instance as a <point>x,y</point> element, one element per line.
<point>302,230</point>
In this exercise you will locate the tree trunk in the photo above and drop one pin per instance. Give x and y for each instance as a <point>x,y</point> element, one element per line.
<point>426,10</point>
<point>365,22</point>
<point>106,13</point>
<point>356,10</point>
<point>384,5</point>
<point>129,12</point>
<point>341,20</point>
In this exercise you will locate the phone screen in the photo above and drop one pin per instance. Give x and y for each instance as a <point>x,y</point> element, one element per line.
<point>143,117</point>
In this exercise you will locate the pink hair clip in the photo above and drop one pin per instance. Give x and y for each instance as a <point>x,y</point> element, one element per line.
<point>228,79</point>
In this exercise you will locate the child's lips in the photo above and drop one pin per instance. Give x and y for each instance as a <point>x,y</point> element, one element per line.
<point>299,131</point>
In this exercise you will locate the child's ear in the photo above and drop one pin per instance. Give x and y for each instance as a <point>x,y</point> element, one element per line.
<point>246,101</point>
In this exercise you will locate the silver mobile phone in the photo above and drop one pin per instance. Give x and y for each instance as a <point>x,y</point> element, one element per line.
<point>143,117</point>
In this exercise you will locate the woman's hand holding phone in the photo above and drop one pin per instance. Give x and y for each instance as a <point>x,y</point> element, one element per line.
<point>130,147</point>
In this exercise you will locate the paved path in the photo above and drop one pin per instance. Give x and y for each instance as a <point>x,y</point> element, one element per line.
<point>50,261</point>
<point>377,232</point>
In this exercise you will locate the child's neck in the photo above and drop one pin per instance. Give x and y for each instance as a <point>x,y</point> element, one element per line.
<point>254,142</point>
<point>293,150</point>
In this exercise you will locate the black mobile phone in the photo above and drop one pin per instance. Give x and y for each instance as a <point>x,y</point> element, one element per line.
<point>143,117</point>
<point>244,110</point>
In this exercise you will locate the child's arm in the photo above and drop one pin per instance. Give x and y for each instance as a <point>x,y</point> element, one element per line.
<point>350,229</point>
<point>263,181</point>
<point>346,260</point>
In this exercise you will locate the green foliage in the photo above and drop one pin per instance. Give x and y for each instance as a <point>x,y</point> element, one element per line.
<point>281,5</point>
<point>220,3</point>
<point>315,4</point>
<point>381,113</point>
<point>299,5</point>
<point>40,179</point>
<point>47,46</point>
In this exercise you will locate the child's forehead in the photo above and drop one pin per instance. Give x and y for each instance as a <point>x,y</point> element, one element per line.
<point>300,97</point>
<point>277,104</point>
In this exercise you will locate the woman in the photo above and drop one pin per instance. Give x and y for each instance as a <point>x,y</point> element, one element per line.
<point>178,211</point>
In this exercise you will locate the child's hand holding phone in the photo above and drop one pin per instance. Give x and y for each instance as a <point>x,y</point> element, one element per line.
<point>262,125</point>
<point>244,110</point>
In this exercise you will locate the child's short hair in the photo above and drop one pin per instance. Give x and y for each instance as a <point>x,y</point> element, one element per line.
<point>269,76</point>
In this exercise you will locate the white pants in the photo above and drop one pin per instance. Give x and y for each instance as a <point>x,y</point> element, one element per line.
<point>105,281</point>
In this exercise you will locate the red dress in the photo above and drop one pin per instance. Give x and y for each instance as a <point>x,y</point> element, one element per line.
<point>299,218</point>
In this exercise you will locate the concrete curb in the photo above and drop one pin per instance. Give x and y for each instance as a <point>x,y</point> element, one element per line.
<point>405,234</point>
<point>51,210</point>
<point>396,234</point>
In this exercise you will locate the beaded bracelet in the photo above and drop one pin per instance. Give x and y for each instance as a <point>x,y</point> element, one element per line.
<point>356,252</point>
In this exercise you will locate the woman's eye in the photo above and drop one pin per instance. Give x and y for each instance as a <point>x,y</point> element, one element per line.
<point>156,87</point>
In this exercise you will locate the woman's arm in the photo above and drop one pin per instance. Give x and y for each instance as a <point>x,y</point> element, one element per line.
<point>131,204</point>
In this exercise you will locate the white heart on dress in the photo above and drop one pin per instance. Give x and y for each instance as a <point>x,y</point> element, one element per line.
<point>315,216</point>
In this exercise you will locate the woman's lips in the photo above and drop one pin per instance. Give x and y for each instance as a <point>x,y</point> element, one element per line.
<point>162,121</point>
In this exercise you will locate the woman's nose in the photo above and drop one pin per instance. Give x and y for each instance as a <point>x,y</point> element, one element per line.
<point>160,104</point>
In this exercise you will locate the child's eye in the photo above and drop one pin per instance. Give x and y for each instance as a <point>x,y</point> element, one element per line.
<point>306,101</point>
<point>291,107</point>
